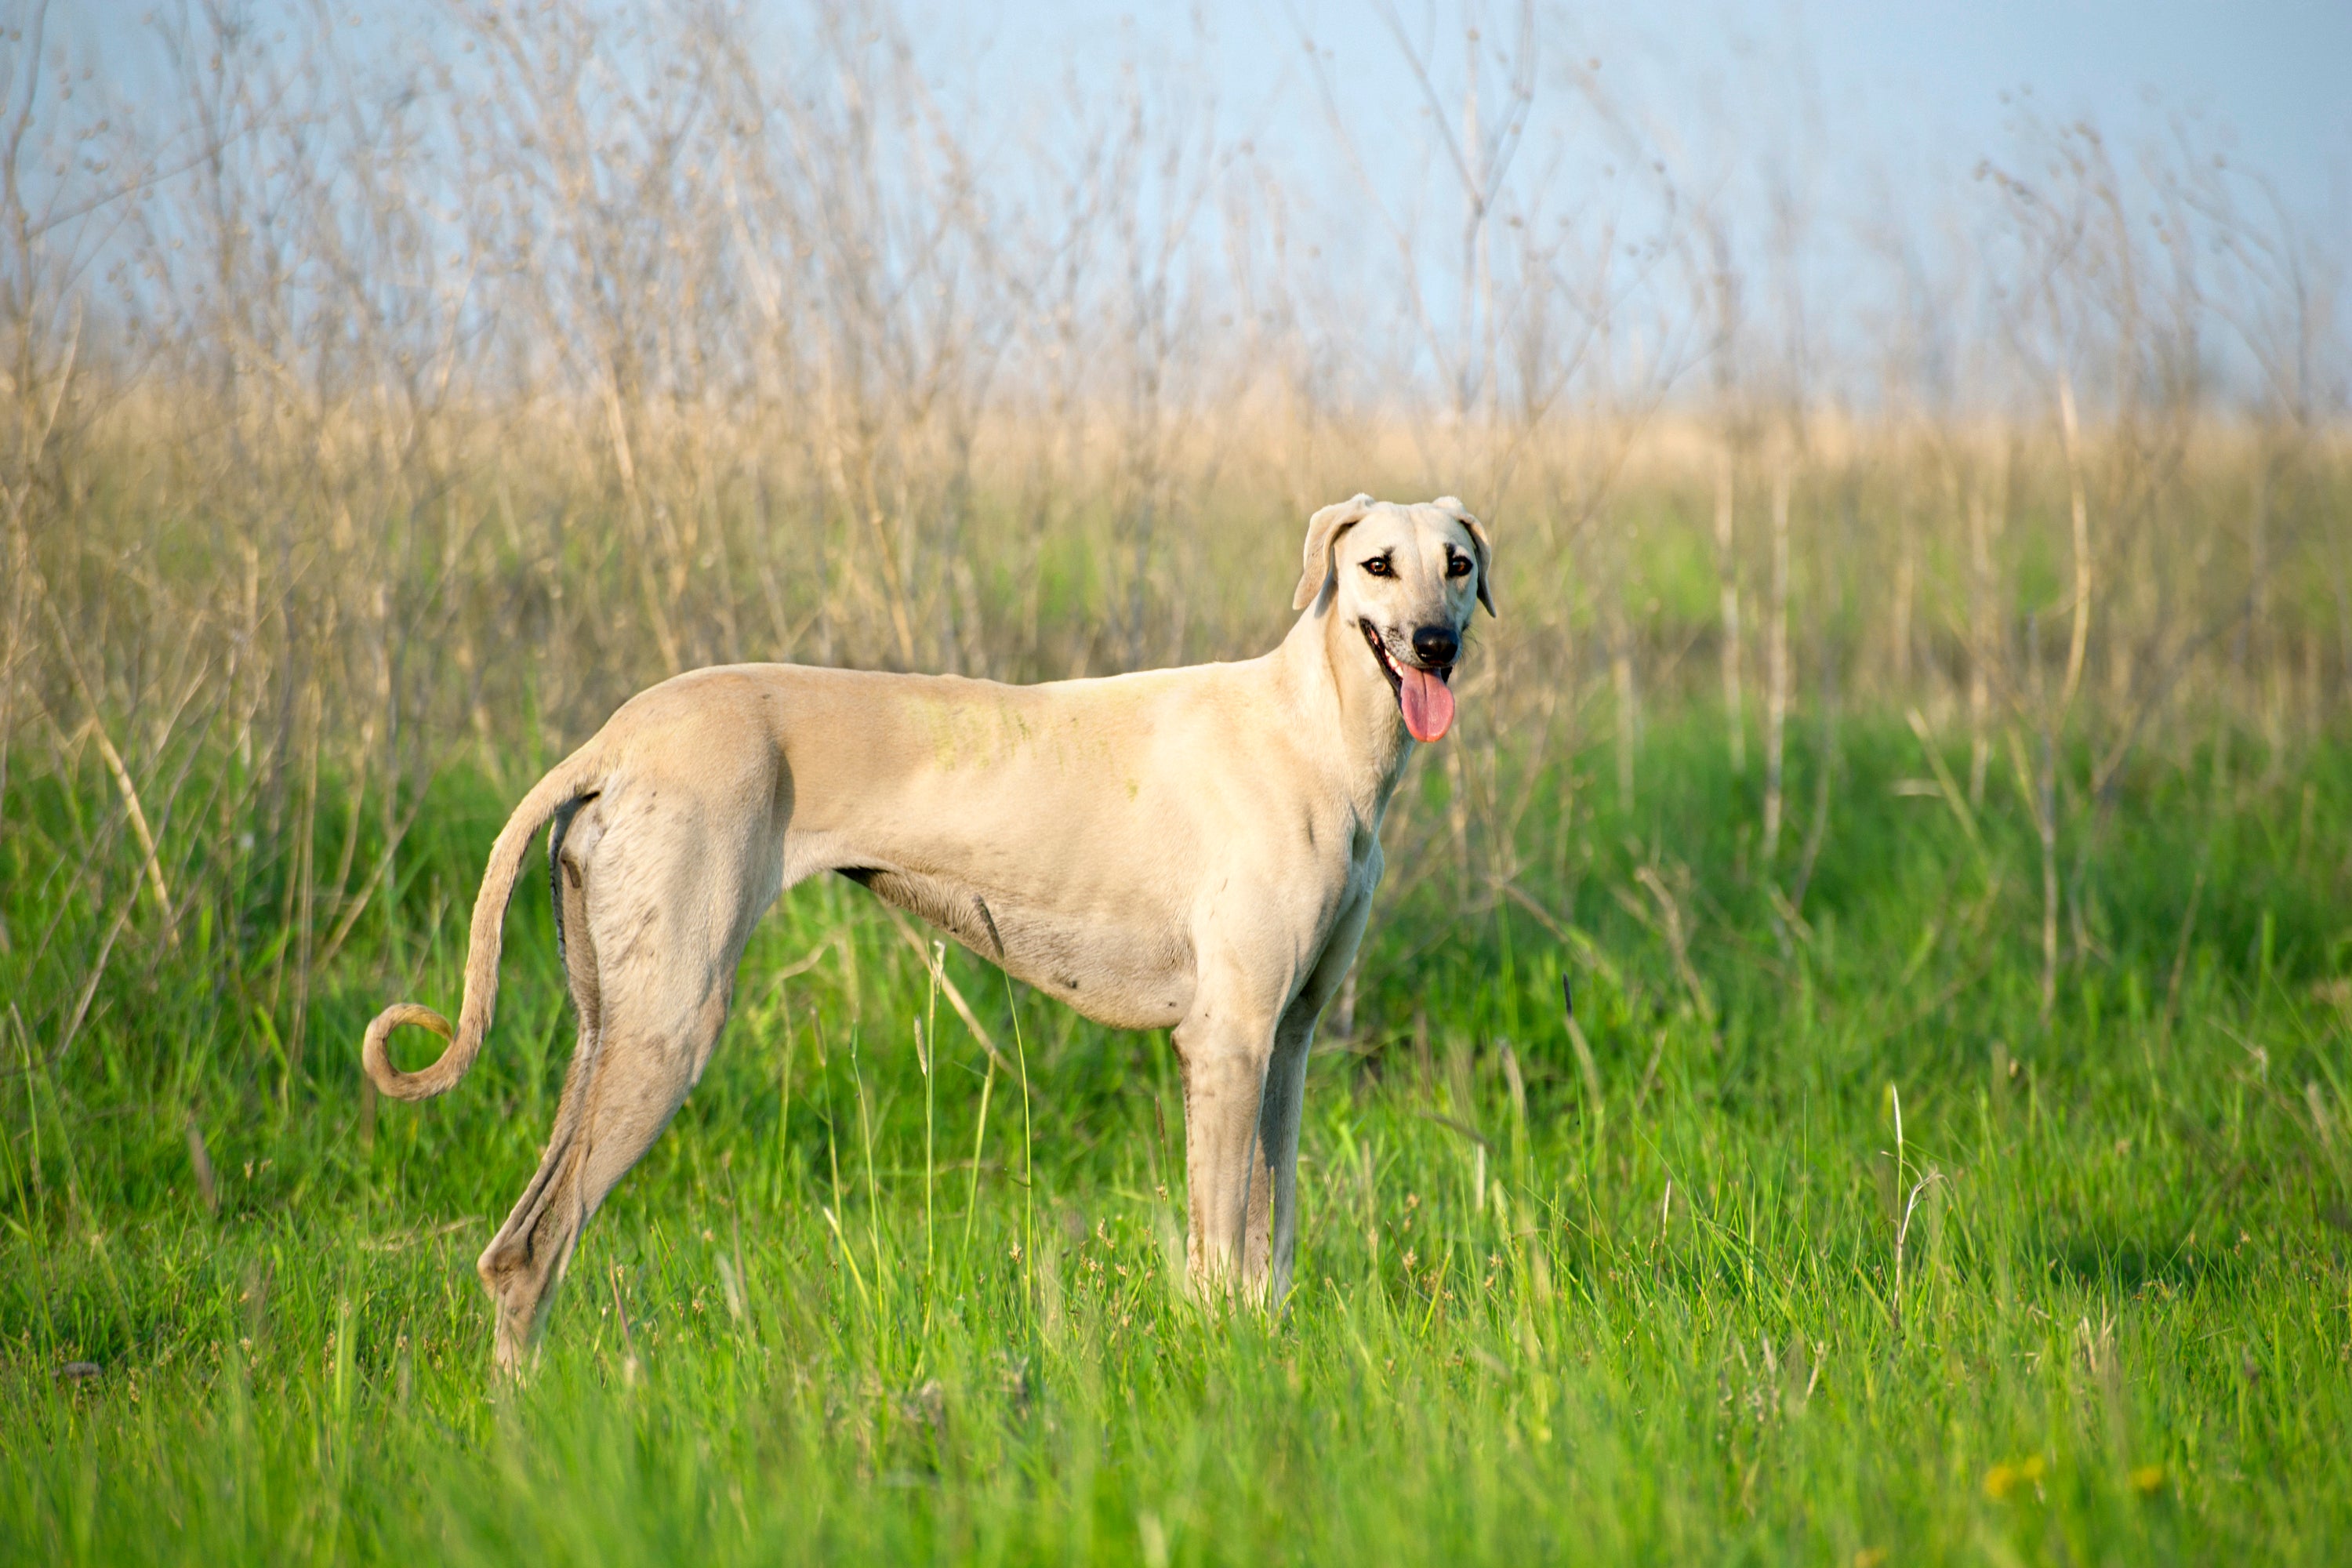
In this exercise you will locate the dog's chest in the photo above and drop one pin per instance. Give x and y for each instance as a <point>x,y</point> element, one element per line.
<point>1126,969</point>
<point>1126,976</point>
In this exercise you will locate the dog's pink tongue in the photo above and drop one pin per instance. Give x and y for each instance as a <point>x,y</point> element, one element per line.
<point>1428,704</point>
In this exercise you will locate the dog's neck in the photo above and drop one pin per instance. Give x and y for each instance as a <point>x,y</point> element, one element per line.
<point>1331,673</point>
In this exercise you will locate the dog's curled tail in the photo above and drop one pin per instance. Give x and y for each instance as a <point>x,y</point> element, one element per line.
<point>576,776</point>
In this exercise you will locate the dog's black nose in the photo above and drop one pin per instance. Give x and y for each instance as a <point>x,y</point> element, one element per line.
<point>1436,644</point>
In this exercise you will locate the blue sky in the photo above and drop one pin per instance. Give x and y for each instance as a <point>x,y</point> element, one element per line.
<point>1868,121</point>
<point>1908,88</point>
<point>1907,91</point>
<point>1902,97</point>
<point>1865,121</point>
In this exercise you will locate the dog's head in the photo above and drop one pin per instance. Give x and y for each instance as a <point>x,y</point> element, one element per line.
<point>1405,578</point>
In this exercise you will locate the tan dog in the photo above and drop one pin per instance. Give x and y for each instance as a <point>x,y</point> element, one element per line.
<point>1191,849</point>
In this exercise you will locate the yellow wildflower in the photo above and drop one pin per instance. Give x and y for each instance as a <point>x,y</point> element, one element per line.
<point>2002,1479</point>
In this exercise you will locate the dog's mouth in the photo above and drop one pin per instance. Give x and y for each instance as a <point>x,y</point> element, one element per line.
<point>1423,694</point>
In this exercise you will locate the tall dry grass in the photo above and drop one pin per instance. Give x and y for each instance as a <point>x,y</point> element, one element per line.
<point>378,403</point>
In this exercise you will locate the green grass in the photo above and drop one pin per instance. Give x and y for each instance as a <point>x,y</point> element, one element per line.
<point>1637,1301</point>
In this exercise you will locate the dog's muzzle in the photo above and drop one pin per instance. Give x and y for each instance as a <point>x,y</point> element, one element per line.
<point>1423,693</point>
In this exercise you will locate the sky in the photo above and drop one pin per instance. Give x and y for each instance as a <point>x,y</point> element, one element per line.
<point>1906,92</point>
<point>1867,120</point>
<point>1898,85</point>
<point>1903,97</point>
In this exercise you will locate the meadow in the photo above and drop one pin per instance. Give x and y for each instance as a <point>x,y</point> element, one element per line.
<point>1853,1058</point>
<point>1817,1239</point>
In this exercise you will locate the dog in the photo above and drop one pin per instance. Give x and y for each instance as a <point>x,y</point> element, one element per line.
<point>1193,849</point>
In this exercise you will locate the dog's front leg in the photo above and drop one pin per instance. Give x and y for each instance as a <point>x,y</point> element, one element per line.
<point>1273,1236</point>
<point>1227,1054</point>
<point>1285,1098</point>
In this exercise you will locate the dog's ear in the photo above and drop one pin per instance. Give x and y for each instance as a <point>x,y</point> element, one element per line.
<point>1323,529</point>
<point>1479,546</point>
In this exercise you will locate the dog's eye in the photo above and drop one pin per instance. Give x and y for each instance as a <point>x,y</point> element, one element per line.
<point>1457,566</point>
<point>1378,566</point>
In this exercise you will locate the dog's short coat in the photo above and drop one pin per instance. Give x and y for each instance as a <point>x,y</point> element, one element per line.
<point>1192,848</point>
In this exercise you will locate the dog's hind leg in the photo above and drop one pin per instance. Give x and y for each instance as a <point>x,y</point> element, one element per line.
<point>653,929</point>
<point>524,1252</point>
